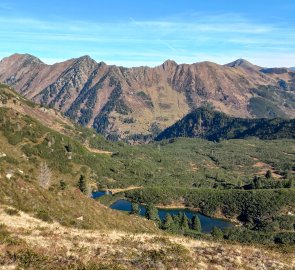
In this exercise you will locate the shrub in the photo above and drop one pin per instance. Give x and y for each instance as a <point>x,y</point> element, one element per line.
<point>11,211</point>
<point>44,215</point>
<point>62,185</point>
<point>135,209</point>
<point>285,238</point>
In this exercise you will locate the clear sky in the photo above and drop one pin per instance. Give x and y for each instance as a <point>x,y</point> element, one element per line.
<point>147,32</point>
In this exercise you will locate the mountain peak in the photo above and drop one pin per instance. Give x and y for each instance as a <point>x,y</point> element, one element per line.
<point>28,58</point>
<point>241,63</point>
<point>169,63</point>
<point>85,58</point>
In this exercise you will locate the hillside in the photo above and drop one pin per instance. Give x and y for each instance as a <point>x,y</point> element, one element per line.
<point>137,103</point>
<point>21,237</point>
<point>25,147</point>
<point>214,126</point>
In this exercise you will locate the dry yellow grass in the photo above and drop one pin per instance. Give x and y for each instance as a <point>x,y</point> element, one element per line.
<point>118,190</point>
<point>137,251</point>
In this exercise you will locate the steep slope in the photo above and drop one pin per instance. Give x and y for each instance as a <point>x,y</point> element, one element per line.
<point>26,146</point>
<point>212,125</point>
<point>137,103</point>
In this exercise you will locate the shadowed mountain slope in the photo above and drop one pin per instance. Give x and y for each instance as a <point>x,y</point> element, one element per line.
<point>214,126</point>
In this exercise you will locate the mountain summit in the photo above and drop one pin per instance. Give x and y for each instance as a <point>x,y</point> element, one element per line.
<point>242,63</point>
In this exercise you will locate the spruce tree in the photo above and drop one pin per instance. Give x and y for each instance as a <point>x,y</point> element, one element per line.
<point>168,223</point>
<point>135,209</point>
<point>184,226</point>
<point>152,213</point>
<point>217,233</point>
<point>196,224</point>
<point>177,221</point>
<point>257,182</point>
<point>268,174</point>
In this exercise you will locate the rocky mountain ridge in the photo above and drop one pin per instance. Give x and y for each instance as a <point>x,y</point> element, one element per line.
<point>137,103</point>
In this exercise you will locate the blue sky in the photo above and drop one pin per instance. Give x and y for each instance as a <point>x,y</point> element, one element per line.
<point>134,33</point>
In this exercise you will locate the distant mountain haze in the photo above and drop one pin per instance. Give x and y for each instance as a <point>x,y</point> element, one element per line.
<point>138,103</point>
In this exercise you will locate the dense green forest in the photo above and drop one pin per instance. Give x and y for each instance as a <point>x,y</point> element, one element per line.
<point>215,126</point>
<point>265,214</point>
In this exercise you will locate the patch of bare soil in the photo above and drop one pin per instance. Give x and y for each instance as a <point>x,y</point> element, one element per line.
<point>264,168</point>
<point>118,190</point>
<point>97,151</point>
<point>193,167</point>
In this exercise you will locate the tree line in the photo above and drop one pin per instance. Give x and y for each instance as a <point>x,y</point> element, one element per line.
<point>173,223</point>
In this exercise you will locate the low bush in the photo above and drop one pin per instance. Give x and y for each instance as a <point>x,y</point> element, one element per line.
<point>44,215</point>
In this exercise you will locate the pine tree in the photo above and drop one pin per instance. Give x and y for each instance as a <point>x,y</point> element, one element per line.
<point>177,221</point>
<point>256,182</point>
<point>152,213</point>
<point>196,224</point>
<point>135,209</point>
<point>184,226</point>
<point>168,223</point>
<point>82,185</point>
<point>217,233</point>
<point>268,174</point>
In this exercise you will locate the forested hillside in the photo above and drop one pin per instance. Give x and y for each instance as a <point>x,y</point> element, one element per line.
<point>215,126</point>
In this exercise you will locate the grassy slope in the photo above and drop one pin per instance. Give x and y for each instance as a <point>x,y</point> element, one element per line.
<point>29,243</point>
<point>67,207</point>
<point>25,144</point>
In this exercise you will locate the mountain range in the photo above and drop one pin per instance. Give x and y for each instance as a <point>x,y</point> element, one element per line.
<point>138,103</point>
<point>49,167</point>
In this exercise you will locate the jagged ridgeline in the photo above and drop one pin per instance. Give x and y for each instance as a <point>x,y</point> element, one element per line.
<point>214,126</point>
<point>136,104</point>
